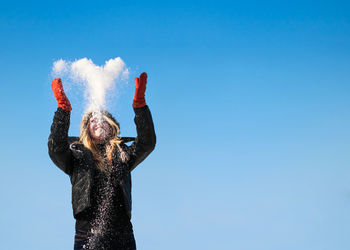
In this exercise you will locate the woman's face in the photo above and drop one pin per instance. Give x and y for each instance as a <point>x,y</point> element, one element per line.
<point>99,129</point>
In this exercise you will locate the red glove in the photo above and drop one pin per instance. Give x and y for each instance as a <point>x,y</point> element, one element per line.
<point>58,92</point>
<point>140,88</point>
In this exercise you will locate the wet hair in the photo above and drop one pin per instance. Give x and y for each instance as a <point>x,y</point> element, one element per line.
<point>103,162</point>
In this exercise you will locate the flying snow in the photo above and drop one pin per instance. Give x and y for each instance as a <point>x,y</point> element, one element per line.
<point>97,80</point>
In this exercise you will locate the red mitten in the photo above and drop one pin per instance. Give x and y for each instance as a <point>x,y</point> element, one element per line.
<point>140,88</point>
<point>58,92</point>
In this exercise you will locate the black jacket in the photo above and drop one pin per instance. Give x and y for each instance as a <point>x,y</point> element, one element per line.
<point>76,160</point>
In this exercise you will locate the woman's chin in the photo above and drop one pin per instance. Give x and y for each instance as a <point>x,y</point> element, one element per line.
<point>100,138</point>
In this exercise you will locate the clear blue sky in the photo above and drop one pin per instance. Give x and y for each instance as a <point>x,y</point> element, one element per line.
<point>250,101</point>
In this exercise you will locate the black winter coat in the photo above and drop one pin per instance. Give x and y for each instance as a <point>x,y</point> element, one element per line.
<point>76,160</point>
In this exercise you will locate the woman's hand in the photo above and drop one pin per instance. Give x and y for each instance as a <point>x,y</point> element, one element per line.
<point>140,88</point>
<point>58,92</point>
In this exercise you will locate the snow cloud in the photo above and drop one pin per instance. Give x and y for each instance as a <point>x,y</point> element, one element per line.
<point>97,80</point>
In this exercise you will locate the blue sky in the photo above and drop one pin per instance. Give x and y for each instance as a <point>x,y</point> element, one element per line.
<point>251,109</point>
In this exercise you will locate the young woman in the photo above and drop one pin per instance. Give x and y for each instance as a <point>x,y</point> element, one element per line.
<point>99,165</point>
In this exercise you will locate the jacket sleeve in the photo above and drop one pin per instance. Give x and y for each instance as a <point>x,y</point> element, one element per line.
<point>58,145</point>
<point>145,141</point>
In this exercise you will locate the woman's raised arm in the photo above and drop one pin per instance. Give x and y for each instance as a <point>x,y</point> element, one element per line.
<point>58,145</point>
<point>146,138</point>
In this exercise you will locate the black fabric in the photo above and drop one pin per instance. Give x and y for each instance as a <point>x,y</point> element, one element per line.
<point>118,240</point>
<point>100,192</point>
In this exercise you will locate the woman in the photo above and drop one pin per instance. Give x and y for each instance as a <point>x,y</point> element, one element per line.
<point>99,165</point>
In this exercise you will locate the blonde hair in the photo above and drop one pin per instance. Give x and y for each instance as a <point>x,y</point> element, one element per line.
<point>103,163</point>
